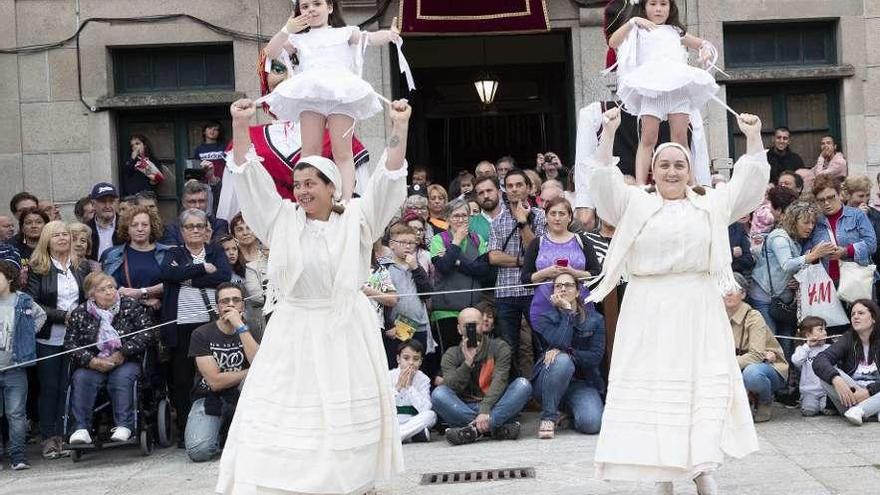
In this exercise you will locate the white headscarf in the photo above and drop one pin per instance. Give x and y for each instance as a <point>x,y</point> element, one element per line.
<point>687,154</point>
<point>328,168</point>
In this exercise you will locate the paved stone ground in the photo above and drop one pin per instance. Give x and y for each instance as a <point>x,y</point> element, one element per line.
<point>798,456</point>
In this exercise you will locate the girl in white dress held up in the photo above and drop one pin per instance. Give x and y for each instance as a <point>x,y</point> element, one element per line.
<point>676,403</point>
<point>316,413</point>
<point>327,91</point>
<point>655,82</point>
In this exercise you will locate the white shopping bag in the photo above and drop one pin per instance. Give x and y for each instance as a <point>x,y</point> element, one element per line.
<point>818,297</point>
<point>856,281</point>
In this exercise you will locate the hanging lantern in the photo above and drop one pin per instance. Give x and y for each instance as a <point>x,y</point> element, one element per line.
<point>486,86</point>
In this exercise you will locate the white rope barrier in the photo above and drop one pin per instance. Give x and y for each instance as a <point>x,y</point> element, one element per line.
<point>419,294</point>
<point>213,310</point>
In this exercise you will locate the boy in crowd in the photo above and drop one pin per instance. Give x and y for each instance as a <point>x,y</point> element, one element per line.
<point>813,396</point>
<point>409,315</point>
<point>20,317</point>
<point>412,393</point>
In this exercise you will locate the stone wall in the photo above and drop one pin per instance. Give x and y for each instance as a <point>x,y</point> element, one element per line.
<point>54,146</point>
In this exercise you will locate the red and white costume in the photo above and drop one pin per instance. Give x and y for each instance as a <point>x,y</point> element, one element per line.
<point>278,146</point>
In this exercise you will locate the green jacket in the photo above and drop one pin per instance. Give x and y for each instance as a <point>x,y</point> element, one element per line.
<point>464,380</point>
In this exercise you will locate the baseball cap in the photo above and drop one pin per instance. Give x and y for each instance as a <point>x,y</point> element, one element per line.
<point>102,189</point>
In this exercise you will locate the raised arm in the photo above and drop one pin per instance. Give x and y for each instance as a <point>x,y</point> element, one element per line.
<point>750,173</point>
<point>293,25</point>
<point>386,189</point>
<point>605,183</point>
<point>255,190</point>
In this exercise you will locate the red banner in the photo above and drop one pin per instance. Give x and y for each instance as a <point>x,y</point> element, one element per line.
<point>473,16</point>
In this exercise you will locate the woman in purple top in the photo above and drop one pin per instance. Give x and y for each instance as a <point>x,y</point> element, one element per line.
<point>558,251</point>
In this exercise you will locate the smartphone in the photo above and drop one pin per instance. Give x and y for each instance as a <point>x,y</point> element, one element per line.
<point>471,334</point>
<point>561,262</point>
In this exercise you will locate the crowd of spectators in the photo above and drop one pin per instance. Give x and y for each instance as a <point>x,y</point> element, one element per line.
<point>479,290</point>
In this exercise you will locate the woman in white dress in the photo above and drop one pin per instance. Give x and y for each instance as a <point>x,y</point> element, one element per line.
<point>676,403</point>
<point>316,413</point>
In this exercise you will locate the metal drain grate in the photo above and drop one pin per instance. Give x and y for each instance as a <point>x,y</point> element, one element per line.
<point>475,476</point>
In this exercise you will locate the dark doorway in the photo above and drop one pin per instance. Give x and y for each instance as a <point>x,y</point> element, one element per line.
<point>452,130</point>
<point>174,135</point>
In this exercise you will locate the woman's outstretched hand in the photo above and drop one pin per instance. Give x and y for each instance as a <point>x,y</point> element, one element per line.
<point>242,111</point>
<point>400,111</point>
<point>749,124</point>
<point>611,119</point>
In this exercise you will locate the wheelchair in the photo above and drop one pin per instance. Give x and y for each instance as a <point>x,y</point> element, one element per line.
<point>152,414</point>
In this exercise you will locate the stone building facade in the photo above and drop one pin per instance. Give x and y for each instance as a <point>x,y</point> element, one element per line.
<point>65,116</point>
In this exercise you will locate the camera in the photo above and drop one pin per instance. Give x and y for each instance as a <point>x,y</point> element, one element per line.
<point>471,333</point>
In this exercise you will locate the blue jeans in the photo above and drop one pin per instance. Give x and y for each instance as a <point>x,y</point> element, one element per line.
<point>120,383</point>
<point>202,436</point>
<point>458,413</point>
<point>53,377</point>
<point>762,380</point>
<point>13,399</point>
<point>509,314</point>
<point>556,385</point>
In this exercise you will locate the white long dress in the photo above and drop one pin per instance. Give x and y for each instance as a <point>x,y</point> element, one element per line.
<point>676,402</point>
<point>316,414</point>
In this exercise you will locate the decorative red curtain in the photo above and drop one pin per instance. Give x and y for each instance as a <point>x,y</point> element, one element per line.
<point>473,16</point>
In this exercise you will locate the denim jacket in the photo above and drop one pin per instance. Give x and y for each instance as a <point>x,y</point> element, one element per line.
<point>583,340</point>
<point>24,343</point>
<point>777,262</point>
<point>852,228</point>
<point>112,258</point>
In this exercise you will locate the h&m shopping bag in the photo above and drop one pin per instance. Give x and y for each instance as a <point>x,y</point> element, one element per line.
<point>818,297</point>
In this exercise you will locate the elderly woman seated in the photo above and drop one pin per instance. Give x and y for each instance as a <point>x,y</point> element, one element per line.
<point>113,359</point>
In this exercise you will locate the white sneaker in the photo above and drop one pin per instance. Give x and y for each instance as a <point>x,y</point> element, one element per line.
<point>120,434</point>
<point>854,415</point>
<point>80,437</point>
<point>706,484</point>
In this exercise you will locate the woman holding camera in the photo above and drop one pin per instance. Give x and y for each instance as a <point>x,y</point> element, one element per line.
<point>556,252</point>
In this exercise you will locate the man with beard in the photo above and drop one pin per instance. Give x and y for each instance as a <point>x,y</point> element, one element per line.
<point>278,144</point>
<point>489,198</point>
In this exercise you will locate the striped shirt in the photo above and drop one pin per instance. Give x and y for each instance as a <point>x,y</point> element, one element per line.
<point>190,302</point>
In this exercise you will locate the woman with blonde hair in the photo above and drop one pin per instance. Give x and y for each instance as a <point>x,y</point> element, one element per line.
<point>55,281</point>
<point>437,199</point>
<point>81,243</point>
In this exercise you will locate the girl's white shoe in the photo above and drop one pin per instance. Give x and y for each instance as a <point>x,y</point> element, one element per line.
<point>706,484</point>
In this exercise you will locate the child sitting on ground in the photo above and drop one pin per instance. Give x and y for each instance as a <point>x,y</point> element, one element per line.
<point>412,393</point>
<point>813,396</point>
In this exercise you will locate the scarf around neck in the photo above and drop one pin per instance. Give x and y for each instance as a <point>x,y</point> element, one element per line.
<point>108,338</point>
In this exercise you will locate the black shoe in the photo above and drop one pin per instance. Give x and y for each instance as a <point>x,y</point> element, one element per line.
<point>461,436</point>
<point>509,431</point>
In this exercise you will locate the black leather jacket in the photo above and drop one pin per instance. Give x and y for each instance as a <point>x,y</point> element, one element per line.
<point>44,290</point>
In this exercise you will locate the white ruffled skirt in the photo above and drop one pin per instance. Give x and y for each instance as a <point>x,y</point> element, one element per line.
<point>316,413</point>
<point>649,87</point>
<point>676,402</point>
<point>325,91</point>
